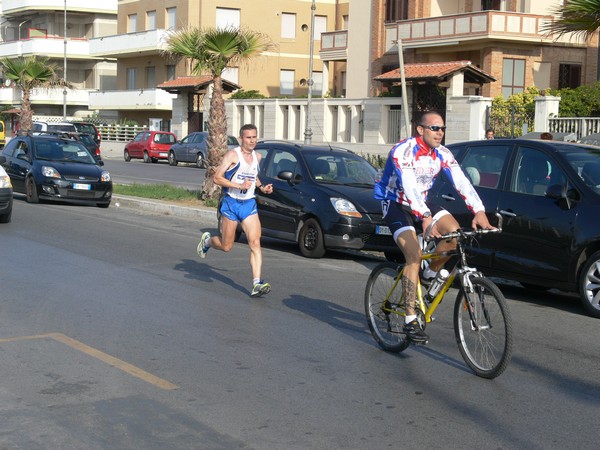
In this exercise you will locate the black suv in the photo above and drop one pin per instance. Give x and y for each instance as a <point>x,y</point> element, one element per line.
<point>322,199</point>
<point>549,195</point>
<point>46,166</point>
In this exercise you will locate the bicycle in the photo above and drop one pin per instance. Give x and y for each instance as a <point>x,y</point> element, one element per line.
<point>482,321</point>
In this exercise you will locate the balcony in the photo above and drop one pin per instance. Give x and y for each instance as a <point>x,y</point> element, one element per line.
<point>51,47</point>
<point>129,45</point>
<point>19,7</point>
<point>476,28</point>
<point>51,96</point>
<point>334,46</point>
<point>141,99</point>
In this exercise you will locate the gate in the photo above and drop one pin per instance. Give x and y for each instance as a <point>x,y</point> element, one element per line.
<point>510,122</point>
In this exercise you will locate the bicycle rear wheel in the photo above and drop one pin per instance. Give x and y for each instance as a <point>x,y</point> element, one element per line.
<point>484,337</point>
<point>385,317</point>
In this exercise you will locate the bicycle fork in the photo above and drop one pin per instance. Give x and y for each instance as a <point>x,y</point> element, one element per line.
<point>467,288</point>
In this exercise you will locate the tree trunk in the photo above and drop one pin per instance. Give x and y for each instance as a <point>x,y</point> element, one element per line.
<point>26,120</point>
<point>217,139</point>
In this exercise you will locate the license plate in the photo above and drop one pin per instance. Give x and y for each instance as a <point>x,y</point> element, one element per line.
<point>382,229</point>
<point>164,154</point>
<point>82,187</point>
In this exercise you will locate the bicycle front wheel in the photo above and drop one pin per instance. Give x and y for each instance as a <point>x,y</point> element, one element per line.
<point>483,328</point>
<point>385,314</point>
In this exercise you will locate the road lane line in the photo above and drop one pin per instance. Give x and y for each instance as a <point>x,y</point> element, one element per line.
<point>104,357</point>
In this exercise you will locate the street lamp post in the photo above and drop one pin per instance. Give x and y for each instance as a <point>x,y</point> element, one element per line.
<point>65,63</point>
<point>308,130</point>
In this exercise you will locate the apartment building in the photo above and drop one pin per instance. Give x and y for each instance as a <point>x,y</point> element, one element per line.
<point>143,28</point>
<point>503,38</point>
<point>38,27</point>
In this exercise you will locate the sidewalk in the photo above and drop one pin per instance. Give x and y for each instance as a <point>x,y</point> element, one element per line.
<point>163,207</point>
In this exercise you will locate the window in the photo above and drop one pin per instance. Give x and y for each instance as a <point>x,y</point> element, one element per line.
<point>288,26</point>
<point>535,172</point>
<point>171,14</point>
<point>131,78</point>
<point>317,88</point>
<point>396,10</point>
<point>282,161</point>
<point>132,23</point>
<point>286,82</point>
<point>483,165</point>
<point>569,76</point>
<point>513,76</point>
<point>320,27</point>
<point>150,77</point>
<point>151,20</point>
<point>170,72</point>
<point>228,18</point>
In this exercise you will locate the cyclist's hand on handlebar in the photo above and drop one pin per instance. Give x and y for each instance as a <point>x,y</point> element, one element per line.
<point>480,220</point>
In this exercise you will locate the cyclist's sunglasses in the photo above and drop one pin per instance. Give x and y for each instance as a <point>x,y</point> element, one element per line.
<point>434,127</point>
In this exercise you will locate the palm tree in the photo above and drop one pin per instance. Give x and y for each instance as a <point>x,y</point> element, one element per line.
<point>29,73</point>
<point>580,17</point>
<point>210,51</point>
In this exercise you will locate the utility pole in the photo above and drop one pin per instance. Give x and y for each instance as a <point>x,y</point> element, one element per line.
<point>308,130</point>
<point>403,81</point>
<point>65,64</point>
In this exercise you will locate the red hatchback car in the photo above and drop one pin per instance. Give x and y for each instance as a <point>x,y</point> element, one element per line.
<point>150,146</point>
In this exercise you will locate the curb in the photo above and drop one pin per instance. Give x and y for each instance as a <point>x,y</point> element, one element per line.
<point>161,207</point>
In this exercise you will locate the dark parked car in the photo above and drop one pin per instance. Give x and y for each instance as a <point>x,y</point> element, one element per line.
<point>6,194</point>
<point>88,128</point>
<point>150,146</point>
<point>549,195</point>
<point>192,149</point>
<point>322,199</point>
<point>51,167</point>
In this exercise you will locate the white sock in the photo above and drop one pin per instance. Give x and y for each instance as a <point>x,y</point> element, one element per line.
<point>410,318</point>
<point>428,273</point>
<point>256,280</point>
<point>207,242</point>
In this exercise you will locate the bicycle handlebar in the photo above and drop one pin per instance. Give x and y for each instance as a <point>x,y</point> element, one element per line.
<point>464,233</point>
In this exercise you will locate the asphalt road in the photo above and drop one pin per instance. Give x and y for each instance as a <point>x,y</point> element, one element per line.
<point>114,334</point>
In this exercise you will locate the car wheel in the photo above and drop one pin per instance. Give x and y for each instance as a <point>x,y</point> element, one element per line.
<point>310,240</point>
<point>146,157</point>
<point>31,193</point>
<point>5,218</point>
<point>394,257</point>
<point>172,159</point>
<point>126,155</point>
<point>589,285</point>
<point>200,161</point>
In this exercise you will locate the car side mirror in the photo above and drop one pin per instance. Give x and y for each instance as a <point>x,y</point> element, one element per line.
<point>556,191</point>
<point>286,175</point>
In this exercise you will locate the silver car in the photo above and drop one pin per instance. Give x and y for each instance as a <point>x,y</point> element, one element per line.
<point>192,149</point>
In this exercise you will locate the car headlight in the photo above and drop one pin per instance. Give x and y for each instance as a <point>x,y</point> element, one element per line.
<point>5,182</point>
<point>105,176</point>
<point>50,172</point>
<point>345,207</point>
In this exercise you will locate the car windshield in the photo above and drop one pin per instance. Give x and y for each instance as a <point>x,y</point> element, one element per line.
<point>85,128</point>
<point>164,138</point>
<point>585,160</point>
<point>341,168</point>
<point>63,151</point>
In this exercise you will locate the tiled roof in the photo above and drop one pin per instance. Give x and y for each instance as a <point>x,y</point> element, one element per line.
<point>437,71</point>
<point>193,83</point>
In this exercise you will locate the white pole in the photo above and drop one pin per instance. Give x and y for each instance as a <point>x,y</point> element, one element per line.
<point>403,81</point>
<point>65,64</point>
<point>308,130</point>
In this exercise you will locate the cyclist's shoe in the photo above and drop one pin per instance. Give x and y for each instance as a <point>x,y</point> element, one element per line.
<point>427,277</point>
<point>260,288</point>
<point>415,333</point>
<point>202,248</point>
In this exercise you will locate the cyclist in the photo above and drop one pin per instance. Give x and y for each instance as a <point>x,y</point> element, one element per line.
<point>411,168</point>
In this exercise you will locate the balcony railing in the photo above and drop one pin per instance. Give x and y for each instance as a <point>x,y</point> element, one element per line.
<point>130,44</point>
<point>459,28</point>
<point>51,46</point>
<point>18,6</point>
<point>139,99</point>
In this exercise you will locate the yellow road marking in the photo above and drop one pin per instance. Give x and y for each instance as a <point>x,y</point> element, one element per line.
<point>104,357</point>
